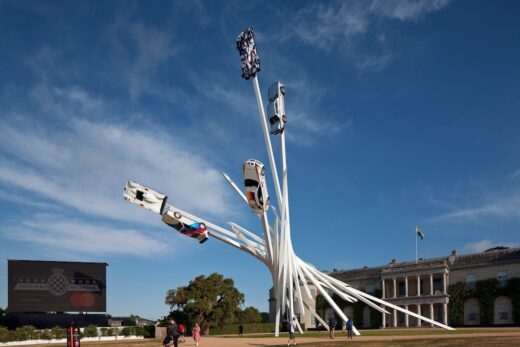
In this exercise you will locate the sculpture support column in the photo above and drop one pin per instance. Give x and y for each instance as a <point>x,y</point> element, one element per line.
<point>431,313</point>
<point>394,316</point>
<point>445,313</point>
<point>406,318</point>
<point>383,319</point>
<point>419,313</point>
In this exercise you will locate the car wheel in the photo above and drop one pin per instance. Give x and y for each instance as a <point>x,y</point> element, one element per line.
<point>202,226</point>
<point>284,118</point>
<point>262,172</point>
<point>177,215</point>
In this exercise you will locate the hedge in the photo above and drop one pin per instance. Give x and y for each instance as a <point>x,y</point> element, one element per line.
<point>230,329</point>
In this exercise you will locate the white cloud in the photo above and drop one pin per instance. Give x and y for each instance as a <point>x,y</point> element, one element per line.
<point>373,63</point>
<point>322,25</point>
<point>507,206</point>
<point>406,9</point>
<point>336,25</point>
<point>84,164</point>
<point>482,245</point>
<point>56,233</point>
<point>139,51</point>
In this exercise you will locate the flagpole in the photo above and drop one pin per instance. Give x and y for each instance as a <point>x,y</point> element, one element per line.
<point>416,244</point>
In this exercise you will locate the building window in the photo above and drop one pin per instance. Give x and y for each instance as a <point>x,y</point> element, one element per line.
<point>502,278</point>
<point>401,289</point>
<point>471,280</point>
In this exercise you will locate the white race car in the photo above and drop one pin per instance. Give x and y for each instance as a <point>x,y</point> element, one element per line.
<point>276,108</point>
<point>144,197</point>
<point>256,189</point>
<point>186,226</point>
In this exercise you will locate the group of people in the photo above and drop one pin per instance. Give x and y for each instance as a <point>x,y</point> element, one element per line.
<point>176,332</point>
<point>349,326</point>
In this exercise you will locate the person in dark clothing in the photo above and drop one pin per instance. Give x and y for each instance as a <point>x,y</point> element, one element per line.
<point>332,326</point>
<point>350,327</point>
<point>172,333</point>
<point>240,330</point>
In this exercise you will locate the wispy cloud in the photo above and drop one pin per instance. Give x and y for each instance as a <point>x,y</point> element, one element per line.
<point>58,233</point>
<point>84,163</point>
<point>482,245</point>
<point>139,51</point>
<point>406,9</point>
<point>373,63</point>
<point>337,26</point>
<point>497,207</point>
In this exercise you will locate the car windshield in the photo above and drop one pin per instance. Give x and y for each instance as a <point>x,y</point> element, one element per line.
<point>250,183</point>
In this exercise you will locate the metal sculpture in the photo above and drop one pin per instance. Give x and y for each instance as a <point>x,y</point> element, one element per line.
<point>291,276</point>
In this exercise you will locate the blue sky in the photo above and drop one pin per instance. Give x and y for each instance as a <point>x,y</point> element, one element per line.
<point>401,113</point>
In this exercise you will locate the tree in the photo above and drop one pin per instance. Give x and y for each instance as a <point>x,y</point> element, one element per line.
<point>249,315</point>
<point>209,301</point>
<point>265,317</point>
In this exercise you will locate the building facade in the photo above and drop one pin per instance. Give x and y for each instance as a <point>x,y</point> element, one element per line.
<point>423,287</point>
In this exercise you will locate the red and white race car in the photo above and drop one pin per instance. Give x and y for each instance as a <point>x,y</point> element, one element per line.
<point>186,226</point>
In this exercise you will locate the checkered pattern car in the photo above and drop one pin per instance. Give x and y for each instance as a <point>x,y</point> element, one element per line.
<point>248,56</point>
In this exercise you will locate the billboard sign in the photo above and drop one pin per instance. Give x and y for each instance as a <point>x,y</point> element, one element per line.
<point>53,286</point>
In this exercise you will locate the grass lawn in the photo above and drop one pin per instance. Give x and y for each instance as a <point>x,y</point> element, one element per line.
<point>505,341</point>
<point>402,332</point>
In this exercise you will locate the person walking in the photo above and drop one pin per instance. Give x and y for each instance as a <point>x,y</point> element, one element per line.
<point>196,334</point>
<point>173,333</point>
<point>332,326</point>
<point>240,330</point>
<point>350,327</point>
<point>292,337</point>
<point>182,332</point>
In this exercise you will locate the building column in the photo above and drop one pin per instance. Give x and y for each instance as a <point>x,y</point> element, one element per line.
<point>394,316</point>
<point>431,313</point>
<point>406,286</point>
<point>395,288</point>
<point>445,313</point>
<point>431,284</point>
<point>406,321</point>
<point>383,288</point>
<point>419,313</point>
<point>444,279</point>
<point>418,285</point>
<point>383,318</point>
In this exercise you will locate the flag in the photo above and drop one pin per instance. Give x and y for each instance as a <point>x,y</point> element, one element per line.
<point>419,232</point>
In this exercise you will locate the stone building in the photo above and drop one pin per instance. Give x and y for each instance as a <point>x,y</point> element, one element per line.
<point>422,287</point>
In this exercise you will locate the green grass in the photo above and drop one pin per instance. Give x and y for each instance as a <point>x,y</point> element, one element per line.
<point>506,341</point>
<point>402,332</point>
